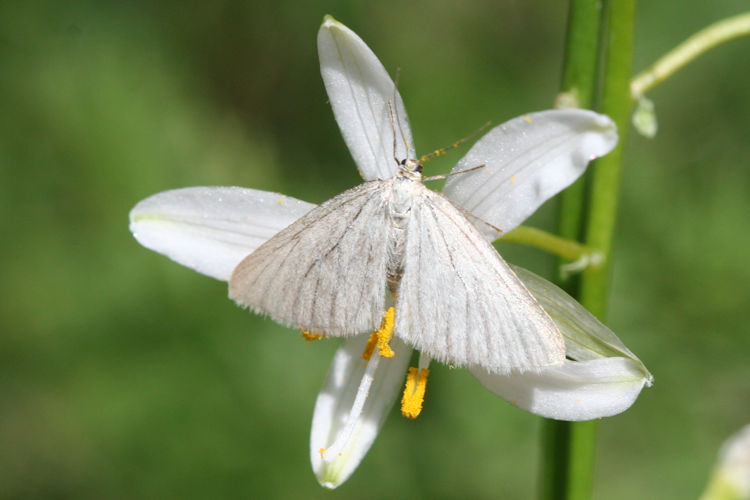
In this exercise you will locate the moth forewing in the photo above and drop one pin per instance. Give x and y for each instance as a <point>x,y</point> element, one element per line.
<point>461,303</point>
<point>326,272</point>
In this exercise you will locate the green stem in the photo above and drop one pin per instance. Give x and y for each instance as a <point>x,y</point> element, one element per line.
<point>564,248</point>
<point>579,81</point>
<point>703,41</point>
<point>602,214</point>
<point>605,187</point>
<point>567,459</point>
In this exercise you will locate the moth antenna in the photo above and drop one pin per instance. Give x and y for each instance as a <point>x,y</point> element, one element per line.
<point>401,131</point>
<point>397,121</point>
<point>445,176</point>
<point>442,151</point>
<point>492,226</point>
<point>393,124</point>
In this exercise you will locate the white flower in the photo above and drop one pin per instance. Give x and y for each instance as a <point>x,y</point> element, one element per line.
<point>731,476</point>
<point>525,161</point>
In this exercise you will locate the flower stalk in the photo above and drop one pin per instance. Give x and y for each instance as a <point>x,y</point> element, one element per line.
<point>606,174</point>
<point>570,446</point>
<point>578,82</point>
<point>689,50</point>
<point>577,255</point>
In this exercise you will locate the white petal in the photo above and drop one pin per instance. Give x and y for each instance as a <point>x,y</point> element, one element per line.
<point>577,390</point>
<point>527,161</point>
<point>211,229</point>
<point>585,336</point>
<point>604,378</point>
<point>360,91</point>
<point>731,476</point>
<point>342,428</point>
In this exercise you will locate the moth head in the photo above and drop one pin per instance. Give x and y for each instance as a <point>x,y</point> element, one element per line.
<point>410,167</point>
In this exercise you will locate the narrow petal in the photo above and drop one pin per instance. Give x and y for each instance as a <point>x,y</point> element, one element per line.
<point>526,161</point>
<point>603,378</point>
<point>574,391</point>
<point>585,336</point>
<point>356,397</point>
<point>211,229</point>
<point>362,96</point>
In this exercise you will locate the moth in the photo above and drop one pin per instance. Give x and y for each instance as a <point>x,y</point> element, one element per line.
<point>335,271</point>
<point>392,242</point>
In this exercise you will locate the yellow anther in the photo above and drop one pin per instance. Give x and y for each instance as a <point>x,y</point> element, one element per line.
<point>382,337</point>
<point>309,336</point>
<point>370,347</point>
<point>411,401</point>
<point>527,119</point>
<point>385,333</point>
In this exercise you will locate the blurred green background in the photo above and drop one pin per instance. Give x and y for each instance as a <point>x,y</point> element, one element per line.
<point>124,375</point>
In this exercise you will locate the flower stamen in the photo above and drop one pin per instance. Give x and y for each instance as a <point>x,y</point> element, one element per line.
<point>370,347</point>
<point>382,337</point>
<point>310,337</point>
<point>413,398</point>
<point>385,333</point>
